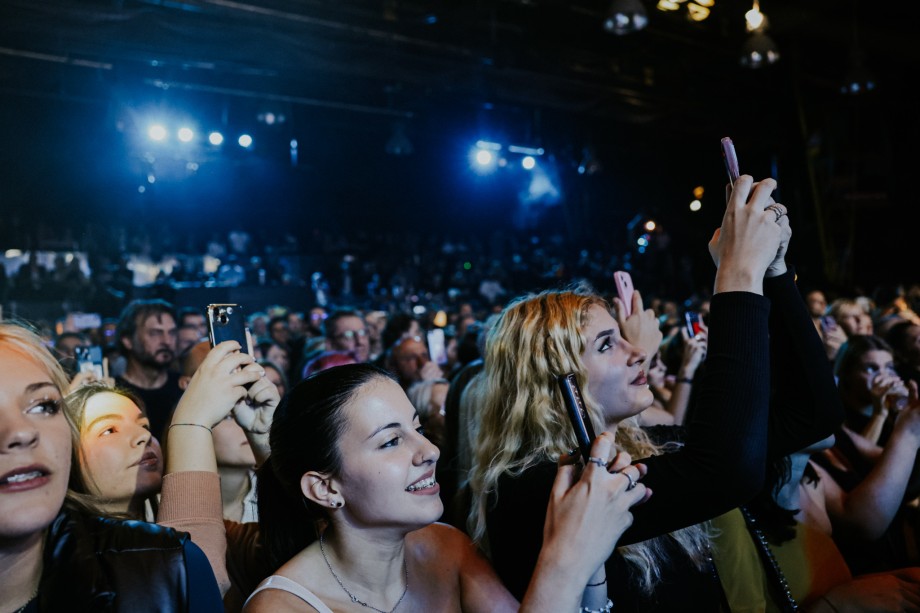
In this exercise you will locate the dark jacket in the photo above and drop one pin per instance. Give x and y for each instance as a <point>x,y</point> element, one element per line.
<point>99,564</point>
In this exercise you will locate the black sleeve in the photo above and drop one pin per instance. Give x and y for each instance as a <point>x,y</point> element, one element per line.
<point>723,461</point>
<point>203,592</point>
<point>805,406</point>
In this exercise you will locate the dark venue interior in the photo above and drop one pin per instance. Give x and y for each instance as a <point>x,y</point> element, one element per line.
<point>358,84</point>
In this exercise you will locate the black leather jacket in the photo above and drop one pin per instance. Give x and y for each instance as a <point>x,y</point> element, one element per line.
<point>97,564</point>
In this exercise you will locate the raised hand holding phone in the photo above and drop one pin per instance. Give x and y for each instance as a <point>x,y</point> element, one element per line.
<point>624,284</point>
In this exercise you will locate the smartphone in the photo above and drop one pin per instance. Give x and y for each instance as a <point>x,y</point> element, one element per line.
<point>437,346</point>
<point>693,323</point>
<point>227,322</point>
<point>624,289</point>
<point>731,160</point>
<point>89,359</point>
<point>578,414</point>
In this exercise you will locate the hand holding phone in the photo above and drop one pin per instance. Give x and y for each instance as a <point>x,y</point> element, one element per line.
<point>578,414</point>
<point>731,160</point>
<point>693,323</point>
<point>624,289</point>
<point>89,359</point>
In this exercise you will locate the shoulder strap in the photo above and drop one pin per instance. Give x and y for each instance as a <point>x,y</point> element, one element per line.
<point>277,582</point>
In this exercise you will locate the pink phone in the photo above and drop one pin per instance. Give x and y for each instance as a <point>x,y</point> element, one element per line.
<point>731,160</point>
<point>624,289</point>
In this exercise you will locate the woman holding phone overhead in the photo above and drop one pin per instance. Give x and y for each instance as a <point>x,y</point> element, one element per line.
<point>348,501</point>
<point>713,466</point>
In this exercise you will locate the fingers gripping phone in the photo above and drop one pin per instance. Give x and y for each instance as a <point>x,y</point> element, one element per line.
<point>624,289</point>
<point>227,322</point>
<point>578,414</point>
<point>731,160</point>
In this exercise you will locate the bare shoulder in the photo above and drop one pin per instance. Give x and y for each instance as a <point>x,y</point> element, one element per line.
<point>268,601</point>
<point>441,542</point>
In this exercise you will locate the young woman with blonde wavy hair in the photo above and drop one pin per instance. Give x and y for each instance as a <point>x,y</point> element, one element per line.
<point>717,463</point>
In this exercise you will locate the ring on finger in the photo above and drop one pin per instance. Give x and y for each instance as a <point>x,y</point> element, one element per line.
<point>595,460</point>
<point>632,482</point>
<point>778,210</point>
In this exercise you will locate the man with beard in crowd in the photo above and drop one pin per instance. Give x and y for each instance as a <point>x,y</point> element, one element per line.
<point>147,334</point>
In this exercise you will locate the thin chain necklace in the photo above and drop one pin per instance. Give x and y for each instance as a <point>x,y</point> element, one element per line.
<point>354,598</point>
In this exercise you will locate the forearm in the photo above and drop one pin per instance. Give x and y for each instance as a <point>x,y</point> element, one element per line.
<point>874,427</point>
<point>557,587</point>
<point>869,509</point>
<point>190,448</point>
<point>680,399</point>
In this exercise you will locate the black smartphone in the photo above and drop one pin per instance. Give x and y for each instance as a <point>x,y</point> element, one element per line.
<point>693,323</point>
<point>227,322</point>
<point>578,414</point>
<point>731,160</point>
<point>89,359</point>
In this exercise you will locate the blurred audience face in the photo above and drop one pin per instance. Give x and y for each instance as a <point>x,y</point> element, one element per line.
<point>198,321</point>
<point>816,303</point>
<point>277,354</point>
<point>909,350</point>
<point>67,344</point>
<point>850,318</point>
<point>296,324</point>
<point>231,448</point>
<point>120,457</point>
<point>186,337</point>
<point>279,331</point>
<point>349,333</point>
<point>275,376</point>
<point>154,342</point>
<point>407,359</point>
<point>858,382</point>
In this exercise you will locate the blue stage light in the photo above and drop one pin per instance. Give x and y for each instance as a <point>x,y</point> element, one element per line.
<point>215,138</point>
<point>528,162</point>
<point>185,134</point>
<point>157,132</point>
<point>245,141</point>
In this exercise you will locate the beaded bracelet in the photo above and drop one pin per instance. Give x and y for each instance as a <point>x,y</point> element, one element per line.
<point>199,425</point>
<point>607,608</point>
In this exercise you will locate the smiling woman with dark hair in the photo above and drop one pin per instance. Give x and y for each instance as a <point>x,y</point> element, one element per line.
<point>348,501</point>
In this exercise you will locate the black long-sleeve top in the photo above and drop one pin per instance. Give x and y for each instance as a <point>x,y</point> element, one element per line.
<point>722,462</point>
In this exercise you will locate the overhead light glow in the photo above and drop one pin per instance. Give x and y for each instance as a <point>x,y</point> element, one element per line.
<point>696,205</point>
<point>650,225</point>
<point>484,158</point>
<point>528,162</point>
<point>156,132</point>
<point>245,141</point>
<point>185,134</point>
<point>215,138</point>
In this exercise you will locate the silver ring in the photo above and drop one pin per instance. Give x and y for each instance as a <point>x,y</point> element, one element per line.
<point>632,483</point>
<point>778,210</point>
<point>597,461</point>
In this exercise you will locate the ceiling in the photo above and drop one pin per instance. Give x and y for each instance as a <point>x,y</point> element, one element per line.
<point>535,72</point>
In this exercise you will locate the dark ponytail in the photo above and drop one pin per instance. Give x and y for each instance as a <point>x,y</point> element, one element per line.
<point>304,437</point>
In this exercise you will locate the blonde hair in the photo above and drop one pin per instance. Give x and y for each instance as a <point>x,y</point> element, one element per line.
<point>22,338</point>
<point>523,423</point>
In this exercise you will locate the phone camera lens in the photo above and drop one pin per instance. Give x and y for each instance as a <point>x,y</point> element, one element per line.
<point>223,318</point>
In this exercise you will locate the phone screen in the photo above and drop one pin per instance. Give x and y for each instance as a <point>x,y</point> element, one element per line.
<point>731,160</point>
<point>89,359</point>
<point>693,323</point>
<point>437,346</point>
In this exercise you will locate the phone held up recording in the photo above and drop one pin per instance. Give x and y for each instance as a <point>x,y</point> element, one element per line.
<point>625,289</point>
<point>227,322</point>
<point>731,160</point>
<point>692,319</point>
<point>578,414</point>
<point>89,359</point>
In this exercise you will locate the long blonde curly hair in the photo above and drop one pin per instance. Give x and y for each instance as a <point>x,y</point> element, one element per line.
<point>523,420</point>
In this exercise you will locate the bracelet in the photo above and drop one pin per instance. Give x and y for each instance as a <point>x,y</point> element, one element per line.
<point>596,584</point>
<point>171,426</point>
<point>607,608</point>
<point>686,380</point>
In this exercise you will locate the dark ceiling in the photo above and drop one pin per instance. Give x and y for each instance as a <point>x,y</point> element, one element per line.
<point>651,105</point>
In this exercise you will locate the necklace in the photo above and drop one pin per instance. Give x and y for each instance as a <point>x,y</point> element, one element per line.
<point>771,566</point>
<point>354,598</point>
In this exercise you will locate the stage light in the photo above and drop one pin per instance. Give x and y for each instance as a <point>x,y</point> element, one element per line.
<point>215,138</point>
<point>156,132</point>
<point>642,241</point>
<point>185,134</point>
<point>13,253</point>
<point>484,158</point>
<point>696,205</point>
<point>650,225</point>
<point>245,141</point>
<point>528,162</point>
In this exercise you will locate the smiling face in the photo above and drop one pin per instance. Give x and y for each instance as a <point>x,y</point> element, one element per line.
<point>35,446</point>
<point>122,461</point>
<point>388,468</point>
<point>615,368</point>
